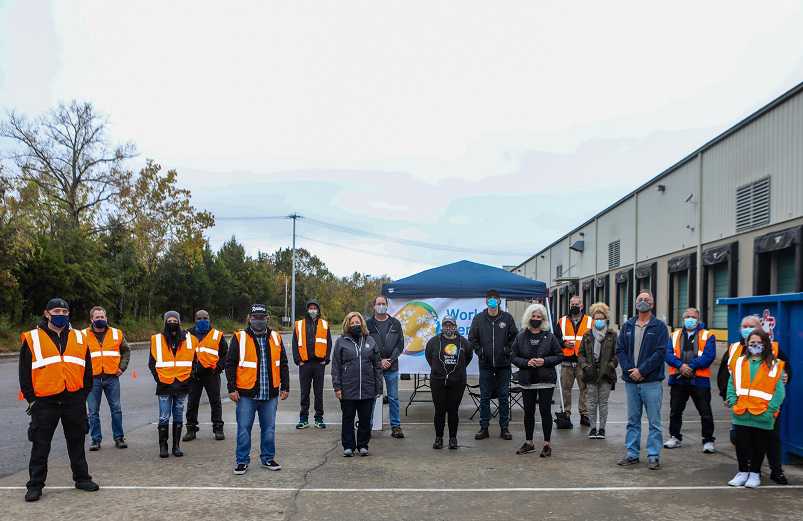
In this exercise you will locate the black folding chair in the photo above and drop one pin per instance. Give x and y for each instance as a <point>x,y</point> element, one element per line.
<point>474,393</point>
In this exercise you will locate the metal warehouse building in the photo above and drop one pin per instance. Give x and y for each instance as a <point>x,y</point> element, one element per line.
<point>726,220</point>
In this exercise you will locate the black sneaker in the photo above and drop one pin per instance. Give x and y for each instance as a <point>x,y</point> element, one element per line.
<point>241,469</point>
<point>438,443</point>
<point>546,451</point>
<point>120,443</point>
<point>33,494</point>
<point>627,461</point>
<point>453,443</point>
<point>592,434</point>
<point>219,436</point>
<point>95,445</point>
<point>272,465</point>
<point>397,433</point>
<point>88,486</point>
<point>526,448</point>
<point>779,478</point>
<point>601,434</point>
<point>482,434</point>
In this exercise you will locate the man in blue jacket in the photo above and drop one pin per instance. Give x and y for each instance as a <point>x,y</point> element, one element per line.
<point>641,350</point>
<point>689,358</point>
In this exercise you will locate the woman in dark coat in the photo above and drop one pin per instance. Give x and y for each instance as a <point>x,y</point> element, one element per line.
<point>597,359</point>
<point>536,352</point>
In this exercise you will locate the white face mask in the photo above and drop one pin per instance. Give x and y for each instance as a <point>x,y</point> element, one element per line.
<point>313,313</point>
<point>381,309</point>
<point>755,349</point>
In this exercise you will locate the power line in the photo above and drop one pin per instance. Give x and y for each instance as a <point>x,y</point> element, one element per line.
<point>358,250</point>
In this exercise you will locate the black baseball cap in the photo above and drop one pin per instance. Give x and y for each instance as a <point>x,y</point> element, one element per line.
<point>57,303</point>
<point>448,319</point>
<point>492,293</point>
<point>259,309</point>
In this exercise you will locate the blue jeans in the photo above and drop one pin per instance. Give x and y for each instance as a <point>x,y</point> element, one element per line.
<point>171,404</point>
<point>639,397</point>
<point>110,385</point>
<point>247,408</point>
<point>494,383</point>
<point>392,388</point>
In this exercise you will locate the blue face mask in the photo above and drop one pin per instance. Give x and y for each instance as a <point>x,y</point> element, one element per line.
<point>493,303</point>
<point>600,324</point>
<point>59,320</point>
<point>746,332</point>
<point>202,326</point>
<point>690,323</point>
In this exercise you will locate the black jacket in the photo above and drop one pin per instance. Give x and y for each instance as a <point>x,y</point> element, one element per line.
<point>200,371</point>
<point>435,359</point>
<point>233,359</point>
<point>356,369</point>
<point>309,341</point>
<point>26,383</point>
<point>177,387</point>
<point>392,345</point>
<point>539,345</point>
<point>605,368</point>
<point>492,338</point>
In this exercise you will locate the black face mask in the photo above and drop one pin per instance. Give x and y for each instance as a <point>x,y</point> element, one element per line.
<point>535,323</point>
<point>356,331</point>
<point>574,310</point>
<point>172,329</point>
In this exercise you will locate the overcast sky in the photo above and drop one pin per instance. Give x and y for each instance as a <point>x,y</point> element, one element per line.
<point>492,126</point>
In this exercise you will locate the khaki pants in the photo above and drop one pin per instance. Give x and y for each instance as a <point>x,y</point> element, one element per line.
<point>568,375</point>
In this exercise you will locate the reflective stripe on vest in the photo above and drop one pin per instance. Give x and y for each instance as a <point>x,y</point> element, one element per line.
<point>702,338</point>
<point>170,367</point>
<point>321,342</point>
<point>51,371</point>
<point>735,351</point>
<point>247,366</point>
<point>572,338</point>
<point>105,356</point>
<point>207,349</point>
<point>754,395</point>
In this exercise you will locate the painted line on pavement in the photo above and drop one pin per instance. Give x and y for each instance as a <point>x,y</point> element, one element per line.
<point>623,422</point>
<point>422,490</point>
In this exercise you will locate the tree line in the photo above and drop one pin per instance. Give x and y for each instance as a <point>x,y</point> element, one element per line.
<point>77,222</point>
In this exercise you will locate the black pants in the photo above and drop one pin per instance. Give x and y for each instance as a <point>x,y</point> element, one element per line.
<point>363,409</point>
<point>678,397</point>
<point>446,400</point>
<point>774,449</point>
<point>45,417</point>
<point>751,446</point>
<point>312,372</point>
<point>544,399</point>
<point>210,381</point>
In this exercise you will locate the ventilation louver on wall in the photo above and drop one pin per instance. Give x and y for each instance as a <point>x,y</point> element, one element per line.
<point>753,205</point>
<point>613,255</point>
<point>558,271</point>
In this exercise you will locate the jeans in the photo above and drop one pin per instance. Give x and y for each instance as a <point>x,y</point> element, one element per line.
<point>45,418</point>
<point>543,397</point>
<point>311,374</point>
<point>364,410</point>
<point>210,381</point>
<point>247,408</point>
<point>171,404</point>
<point>392,386</point>
<point>646,396</point>
<point>701,396</point>
<point>446,400</point>
<point>494,381</point>
<point>109,385</point>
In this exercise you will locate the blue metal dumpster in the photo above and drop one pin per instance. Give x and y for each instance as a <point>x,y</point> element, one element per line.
<point>782,317</point>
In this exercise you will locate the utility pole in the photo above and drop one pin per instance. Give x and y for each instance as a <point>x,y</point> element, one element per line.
<point>294,217</point>
<point>285,317</point>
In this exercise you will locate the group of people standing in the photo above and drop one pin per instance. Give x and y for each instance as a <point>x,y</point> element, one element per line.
<point>63,371</point>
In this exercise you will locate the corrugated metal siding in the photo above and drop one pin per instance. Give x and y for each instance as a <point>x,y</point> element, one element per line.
<point>543,268</point>
<point>584,262</point>
<point>560,257</point>
<point>617,224</point>
<point>771,145</point>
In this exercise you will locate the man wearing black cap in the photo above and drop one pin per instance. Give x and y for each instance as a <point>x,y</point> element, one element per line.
<point>257,377</point>
<point>55,373</point>
<point>312,348</point>
<point>491,336</point>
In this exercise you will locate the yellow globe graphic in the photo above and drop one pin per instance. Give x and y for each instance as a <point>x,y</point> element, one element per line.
<point>450,349</point>
<point>420,323</point>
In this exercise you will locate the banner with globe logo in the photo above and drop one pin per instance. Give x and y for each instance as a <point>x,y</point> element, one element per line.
<point>421,320</point>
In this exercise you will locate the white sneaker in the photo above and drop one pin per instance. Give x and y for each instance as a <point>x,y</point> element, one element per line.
<point>708,447</point>
<point>672,443</point>
<point>753,481</point>
<point>739,479</point>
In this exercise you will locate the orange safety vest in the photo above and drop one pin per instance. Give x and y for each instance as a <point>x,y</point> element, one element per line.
<point>321,342</point>
<point>247,366</point>
<point>702,338</point>
<point>572,338</point>
<point>170,367</point>
<point>206,349</point>
<point>105,357</point>
<point>754,395</point>
<point>51,371</point>
<point>735,351</point>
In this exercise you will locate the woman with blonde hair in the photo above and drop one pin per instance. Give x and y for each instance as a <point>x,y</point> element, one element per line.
<point>357,380</point>
<point>597,359</point>
<point>536,352</point>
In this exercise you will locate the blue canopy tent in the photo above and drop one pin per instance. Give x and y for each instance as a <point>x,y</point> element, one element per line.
<point>465,279</point>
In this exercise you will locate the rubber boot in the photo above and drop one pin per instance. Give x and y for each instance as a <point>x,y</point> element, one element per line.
<point>163,433</point>
<point>177,439</point>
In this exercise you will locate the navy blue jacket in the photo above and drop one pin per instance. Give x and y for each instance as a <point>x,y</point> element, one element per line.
<point>697,362</point>
<point>652,355</point>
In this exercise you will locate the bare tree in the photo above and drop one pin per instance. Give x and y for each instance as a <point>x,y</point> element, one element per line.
<point>66,154</point>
